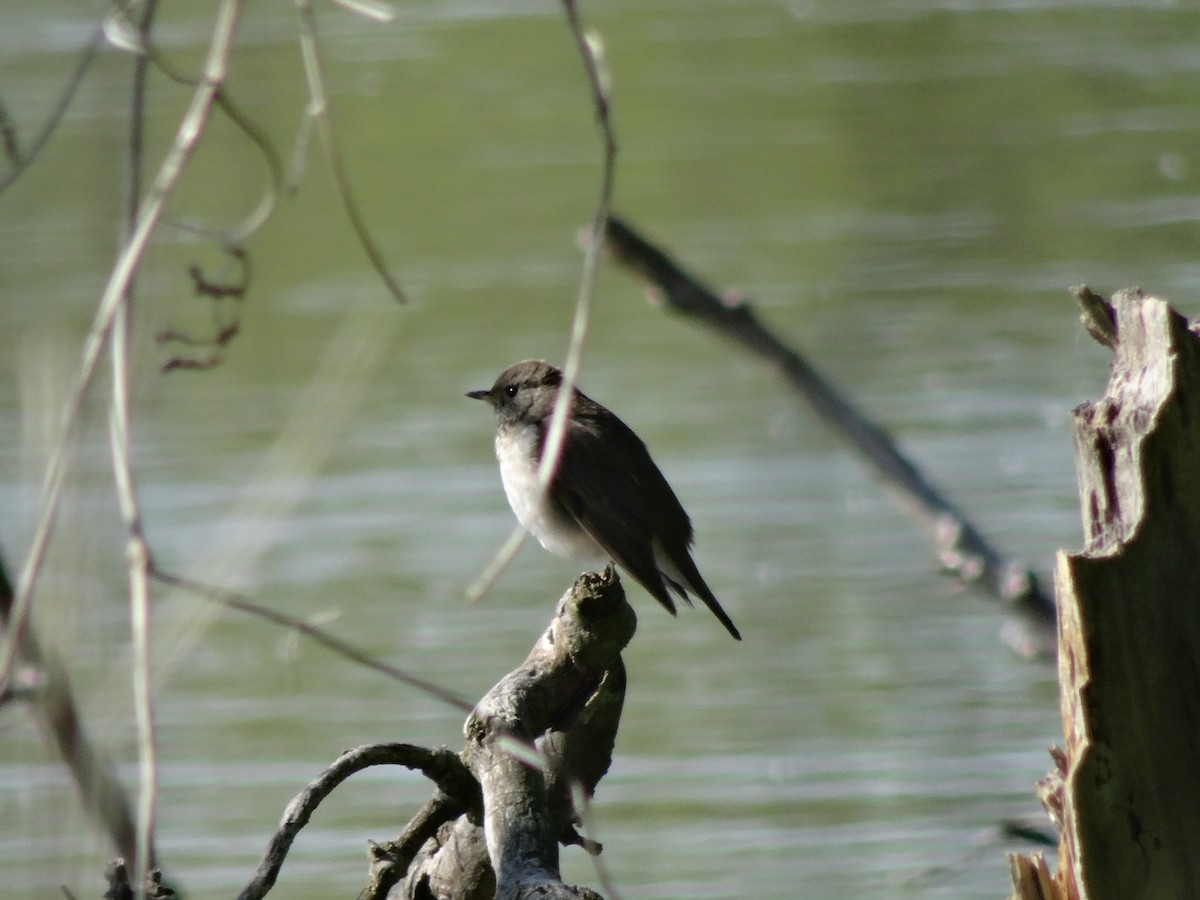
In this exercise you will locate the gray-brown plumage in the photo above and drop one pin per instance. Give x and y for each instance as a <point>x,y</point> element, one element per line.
<point>607,498</point>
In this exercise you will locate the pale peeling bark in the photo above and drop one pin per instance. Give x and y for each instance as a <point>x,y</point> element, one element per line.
<point>1127,789</point>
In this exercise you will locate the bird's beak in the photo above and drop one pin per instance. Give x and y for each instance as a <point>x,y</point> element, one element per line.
<point>480,395</point>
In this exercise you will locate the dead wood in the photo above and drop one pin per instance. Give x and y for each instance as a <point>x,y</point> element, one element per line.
<point>961,548</point>
<point>537,745</point>
<point>545,732</point>
<point>1125,787</point>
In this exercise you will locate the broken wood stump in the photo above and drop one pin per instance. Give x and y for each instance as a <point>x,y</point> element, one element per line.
<point>1126,788</point>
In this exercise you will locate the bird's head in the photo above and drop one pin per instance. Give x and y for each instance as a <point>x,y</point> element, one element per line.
<point>524,393</point>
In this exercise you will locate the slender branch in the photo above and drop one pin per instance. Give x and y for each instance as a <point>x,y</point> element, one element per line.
<point>375,10</point>
<point>22,161</point>
<point>190,130</point>
<point>9,144</point>
<point>259,138</point>
<point>282,475</point>
<point>318,109</point>
<point>583,809</point>
<point>137,551</point>
<point>442,766</point>
<point>266,205</point>
<point>234,600</point>
<point>591,51</point>
<point>962,549</point>
<point>62,728</point>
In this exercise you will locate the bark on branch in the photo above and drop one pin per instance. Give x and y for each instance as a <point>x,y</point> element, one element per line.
<point>1125,788</point>
<point>962,550</point>
<point>537,744</point>
<point>546,730</point>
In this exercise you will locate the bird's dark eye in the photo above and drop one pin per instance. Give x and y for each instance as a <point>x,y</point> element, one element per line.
<point>510,391</point>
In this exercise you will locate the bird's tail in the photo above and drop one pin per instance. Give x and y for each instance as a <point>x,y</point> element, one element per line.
<point>686,573</point>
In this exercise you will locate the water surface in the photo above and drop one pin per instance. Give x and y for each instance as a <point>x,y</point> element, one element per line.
<point>905,189</point>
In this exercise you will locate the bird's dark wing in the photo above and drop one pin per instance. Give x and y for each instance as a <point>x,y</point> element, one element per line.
<point>610,486</point>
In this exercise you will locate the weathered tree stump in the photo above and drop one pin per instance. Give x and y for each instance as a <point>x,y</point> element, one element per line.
<point>543,734</point>
<point>538,743</point>
<point>1126,792</point>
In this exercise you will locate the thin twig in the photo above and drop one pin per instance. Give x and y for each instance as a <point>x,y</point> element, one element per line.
<point>591,51</point>
<point>266,204</point>
<point>65,732</point>
<point>583,809</point>
<point>224,101</point>
<point>961,548</point>
<point>190,130</point>
<point>10,145</point>
<point>318,109</point>
<point>285,470</point>
<point>137,551</point>
<point>141,45</point>
<point>240,602</point>
<point>375,10</point>
<point>22,161</point>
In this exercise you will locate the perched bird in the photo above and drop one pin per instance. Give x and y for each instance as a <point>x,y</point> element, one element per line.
<point>606,500</point>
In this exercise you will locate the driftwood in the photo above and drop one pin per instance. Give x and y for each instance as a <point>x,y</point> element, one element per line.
<point>962,550</point>
<point>1126,787</point>
<point>537,745</point>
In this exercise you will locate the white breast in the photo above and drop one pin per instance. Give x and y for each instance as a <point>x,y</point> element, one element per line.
<point>516,448</point>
